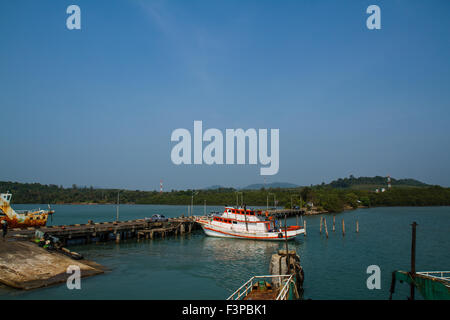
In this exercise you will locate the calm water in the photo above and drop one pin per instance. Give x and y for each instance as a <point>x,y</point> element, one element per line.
<point>199,267</point>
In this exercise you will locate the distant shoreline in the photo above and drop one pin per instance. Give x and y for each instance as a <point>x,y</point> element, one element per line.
<point>309,212</point>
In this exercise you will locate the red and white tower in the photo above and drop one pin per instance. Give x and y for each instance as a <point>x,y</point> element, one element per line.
<point>389,182</point>
<point>160,186</point>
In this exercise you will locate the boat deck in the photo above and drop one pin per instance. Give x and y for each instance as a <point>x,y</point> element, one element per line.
<point>264,293</point>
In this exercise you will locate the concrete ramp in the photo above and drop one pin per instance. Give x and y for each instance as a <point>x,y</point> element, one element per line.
<point>24,265</point>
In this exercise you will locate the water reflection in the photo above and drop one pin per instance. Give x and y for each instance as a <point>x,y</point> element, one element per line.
<point>223,249</point>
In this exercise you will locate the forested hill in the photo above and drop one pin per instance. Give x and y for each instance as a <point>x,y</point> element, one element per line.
<point>373,182</point>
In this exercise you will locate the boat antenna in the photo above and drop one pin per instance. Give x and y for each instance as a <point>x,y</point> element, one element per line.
<point>245,215</point>
<point>117,208</point>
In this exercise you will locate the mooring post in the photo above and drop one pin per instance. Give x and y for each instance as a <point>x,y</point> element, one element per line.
<point>357,226</point>
<point>304,227</point>
<point>334,223</point>
<point>117,237</point>
<point>321,225</point>
<point>343,227</point>
<point>413,259</point>
<point>296,220</point>
<point>326,229</point>
<point>182,228</point>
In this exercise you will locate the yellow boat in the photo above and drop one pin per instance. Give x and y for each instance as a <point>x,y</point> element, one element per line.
<point>21,218</point>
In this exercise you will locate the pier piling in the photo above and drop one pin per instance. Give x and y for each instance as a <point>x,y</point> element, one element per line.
<point>334,223</point>
<point>326,229</point>
<point>182,228</point>
<point>343,227</point>
<point>357,226</point>
<point>321,221</point>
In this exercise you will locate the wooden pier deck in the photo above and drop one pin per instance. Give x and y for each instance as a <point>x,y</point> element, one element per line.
<point>287,212</point>
<point>105,231</point>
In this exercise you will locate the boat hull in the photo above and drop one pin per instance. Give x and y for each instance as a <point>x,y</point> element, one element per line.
<point>214,231</point>
<point>27,221</point>
<point>24,218</point>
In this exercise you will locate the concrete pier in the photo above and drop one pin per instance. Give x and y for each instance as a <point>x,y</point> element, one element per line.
<point>24,265</point>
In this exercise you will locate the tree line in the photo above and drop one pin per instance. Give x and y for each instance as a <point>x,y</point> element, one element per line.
<point>322,197</point>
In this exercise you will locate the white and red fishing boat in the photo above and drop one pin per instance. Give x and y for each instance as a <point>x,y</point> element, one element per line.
<point>247,224</point>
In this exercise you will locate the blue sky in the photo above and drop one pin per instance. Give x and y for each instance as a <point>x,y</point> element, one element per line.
<point>97,106</point>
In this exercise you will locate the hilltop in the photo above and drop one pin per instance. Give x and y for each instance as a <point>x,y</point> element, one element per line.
<point>257,186</point>
<point>373,182</point>
<point>273,185</point>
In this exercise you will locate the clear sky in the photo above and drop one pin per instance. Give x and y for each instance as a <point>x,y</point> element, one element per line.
<point>97,106</point>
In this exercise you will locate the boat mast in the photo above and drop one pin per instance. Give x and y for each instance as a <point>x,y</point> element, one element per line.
<point>117,207</point>
<point>287,248</point>
<point>245,215</point>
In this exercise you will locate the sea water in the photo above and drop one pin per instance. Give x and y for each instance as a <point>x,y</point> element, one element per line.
<point>195,266</point>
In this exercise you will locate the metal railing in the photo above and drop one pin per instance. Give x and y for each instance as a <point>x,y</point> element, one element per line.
<point>247,287</point>
<point>439,275</point>
<point>285,290</point>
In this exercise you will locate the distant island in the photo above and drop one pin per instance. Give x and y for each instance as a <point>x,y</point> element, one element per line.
<point>335,196</point>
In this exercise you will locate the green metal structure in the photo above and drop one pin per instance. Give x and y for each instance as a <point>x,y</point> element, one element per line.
<point>432,285</point>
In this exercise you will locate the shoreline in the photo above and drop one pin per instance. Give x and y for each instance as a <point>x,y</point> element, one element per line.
<point>307,213</point>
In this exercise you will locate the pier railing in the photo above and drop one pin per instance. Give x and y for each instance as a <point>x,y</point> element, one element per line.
<point>246,288</point>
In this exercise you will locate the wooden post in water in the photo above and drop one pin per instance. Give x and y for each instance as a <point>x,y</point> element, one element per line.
<point>357,226</point>
<point>182,228</point>
<point>321,218</point>
<point>413,259</point>
<point>304,227</point>
<point>343,227</point>
<point>334,223</point>
<point>326,229</point>
<point>296,220</point>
